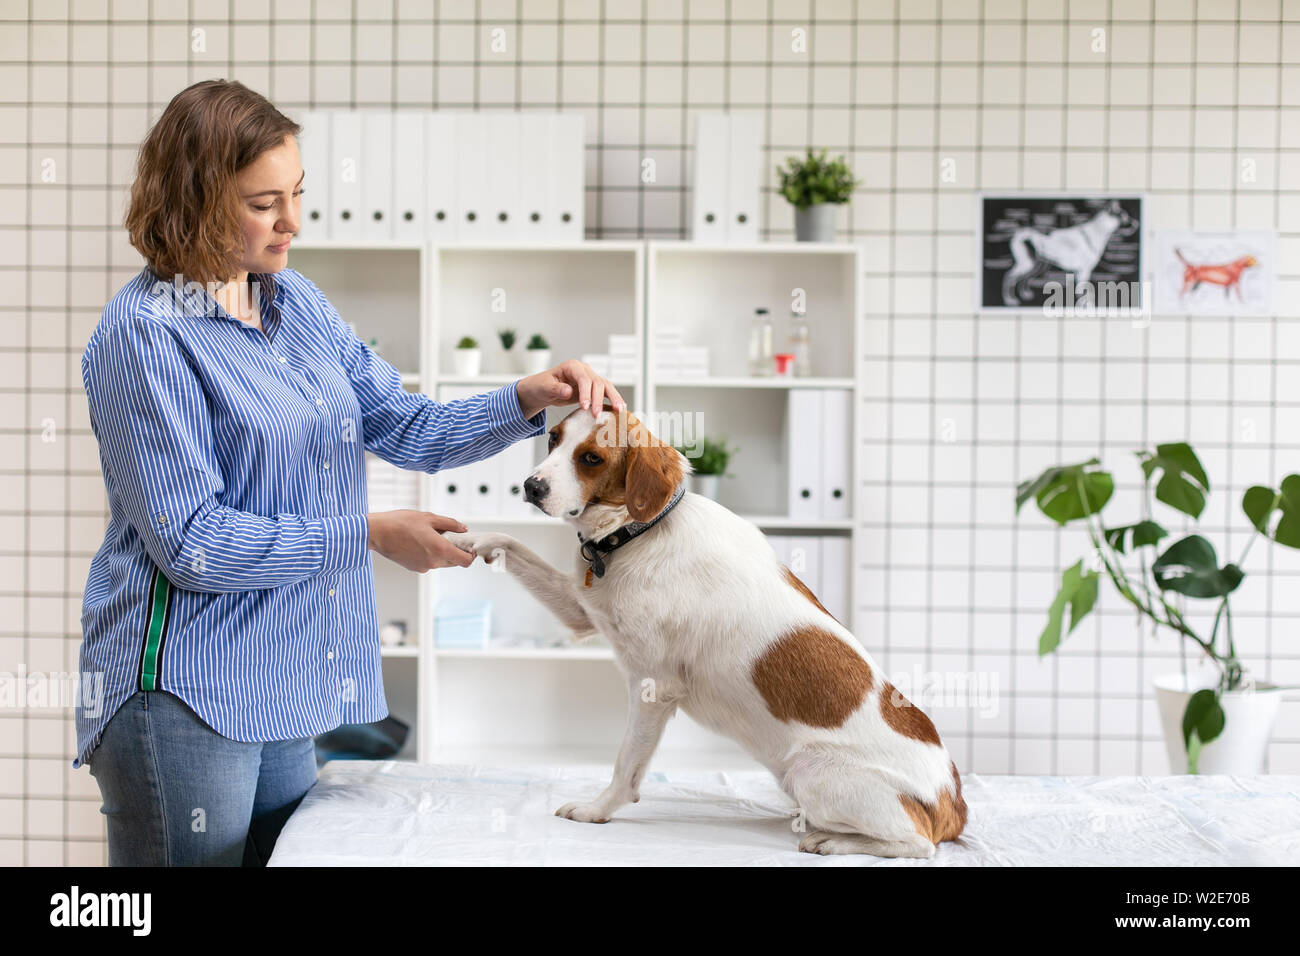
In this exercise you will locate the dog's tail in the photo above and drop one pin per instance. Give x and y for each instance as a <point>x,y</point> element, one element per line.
<point>1024,260</point>
<point>945,819</point>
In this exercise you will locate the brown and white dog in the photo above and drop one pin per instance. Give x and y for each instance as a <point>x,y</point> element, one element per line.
<point>702,615</point>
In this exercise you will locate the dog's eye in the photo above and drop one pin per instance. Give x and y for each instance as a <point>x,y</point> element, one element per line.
<point>590,459</point>
<point>551,440</point>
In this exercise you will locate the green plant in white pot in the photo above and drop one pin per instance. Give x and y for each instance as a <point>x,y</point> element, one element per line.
<point>1218,721</point>
<point>539,355</point>
<point>510,361</point>
<point>816,187</point>
<point>708,466</point>
<point>468,357</point>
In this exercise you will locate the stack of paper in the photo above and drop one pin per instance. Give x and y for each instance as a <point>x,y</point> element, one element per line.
<point>666,351</point>
<point>391,488</point>
<point>624,358</point>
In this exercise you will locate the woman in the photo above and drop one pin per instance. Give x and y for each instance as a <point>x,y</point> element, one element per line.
<point>230,615</point>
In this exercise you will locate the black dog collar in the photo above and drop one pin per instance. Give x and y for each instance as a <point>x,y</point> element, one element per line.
<point>594,551</point>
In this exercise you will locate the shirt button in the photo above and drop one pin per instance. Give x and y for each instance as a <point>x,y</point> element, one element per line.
<point>326,465</point>
<point>162,519</point>
<point>330,656</point>
<point>320,401</point>
<point>282,359</point>
<point>331,592</point>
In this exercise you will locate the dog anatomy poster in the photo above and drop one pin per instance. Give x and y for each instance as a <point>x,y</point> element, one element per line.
<point>1214,273</point>
<point>1067,253</point>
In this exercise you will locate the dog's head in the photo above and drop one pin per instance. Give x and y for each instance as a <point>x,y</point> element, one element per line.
<point>609,463</point>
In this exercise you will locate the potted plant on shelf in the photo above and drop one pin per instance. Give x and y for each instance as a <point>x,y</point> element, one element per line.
<point>468,357</point>
<point>507,337</point>
<point>539,355</point>
<point>1217,721</point>
<point>708,467</point>
<point>816,187</point>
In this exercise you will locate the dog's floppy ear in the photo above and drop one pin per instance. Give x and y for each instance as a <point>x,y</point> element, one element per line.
<point>654,470</point>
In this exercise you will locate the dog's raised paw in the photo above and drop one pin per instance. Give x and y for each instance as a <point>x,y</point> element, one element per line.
<point>583,812</point>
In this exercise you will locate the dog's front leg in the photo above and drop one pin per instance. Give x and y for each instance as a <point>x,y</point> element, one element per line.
<point>546,583</point>
<point>649,708</point>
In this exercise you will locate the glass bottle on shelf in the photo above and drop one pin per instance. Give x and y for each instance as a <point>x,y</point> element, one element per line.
<point>760,345</point>
<point>799,344</point>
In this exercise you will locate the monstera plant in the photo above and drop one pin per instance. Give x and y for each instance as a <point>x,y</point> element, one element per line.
<point>1188,566</point>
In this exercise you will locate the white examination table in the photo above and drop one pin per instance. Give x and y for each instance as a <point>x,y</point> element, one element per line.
<point>393,813</point>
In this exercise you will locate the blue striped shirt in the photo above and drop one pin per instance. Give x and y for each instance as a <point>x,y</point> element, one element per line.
<point>235,571</point>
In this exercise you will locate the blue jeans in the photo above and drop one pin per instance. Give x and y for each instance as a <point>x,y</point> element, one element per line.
<point>177,793</point>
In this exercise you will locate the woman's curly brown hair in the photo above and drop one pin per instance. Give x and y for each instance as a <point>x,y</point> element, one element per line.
<point>183,214</point>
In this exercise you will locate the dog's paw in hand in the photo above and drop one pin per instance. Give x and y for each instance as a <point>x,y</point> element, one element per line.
<point>488,545</point>
<point>583,812</point>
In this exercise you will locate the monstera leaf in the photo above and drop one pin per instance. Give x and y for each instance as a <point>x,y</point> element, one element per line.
<point>1203,720</point>
<point>1259,504</point>
<point>1183,483</point>
<point>1191,567</point>
<point>1141,534</point>
<point>1079,593</point>
<point>1057,491</point>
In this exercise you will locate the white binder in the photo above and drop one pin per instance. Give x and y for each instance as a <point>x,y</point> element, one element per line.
<point>780,544</point>
<point>806,561</point>
<point>345,182</point>
<point>836,446</point>
<point>410,173</point>
<point>516,463</point>
<point>836,574</point>
<point>471,176</point>
<point>744,150</point>
<point>502,175</point>
<point>454,492</point>
<point>439,175</point>
<point>712,161</point>
<point>314,151</point>
<point>567,174</point>
<point>537,192</point>
<point>377,174</point>
<point>803,451</point>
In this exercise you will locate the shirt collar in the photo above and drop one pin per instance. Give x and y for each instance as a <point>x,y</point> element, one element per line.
<point>197,301</point>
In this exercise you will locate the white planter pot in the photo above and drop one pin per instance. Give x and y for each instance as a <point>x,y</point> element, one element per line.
<point>706,486</point>
<point>536,360</point>
<point>1248,723</point>
<point>468,361</point>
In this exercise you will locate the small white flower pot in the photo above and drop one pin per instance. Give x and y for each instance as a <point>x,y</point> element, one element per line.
<point>706,486</point>
<point>468,362</point>
<point>1249,714</point>
<point>536,360</point>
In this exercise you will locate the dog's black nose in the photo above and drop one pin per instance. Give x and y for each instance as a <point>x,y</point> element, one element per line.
<point>535,489</point>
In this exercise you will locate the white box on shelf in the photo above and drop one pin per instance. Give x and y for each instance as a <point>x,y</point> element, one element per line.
<point>600,363</point>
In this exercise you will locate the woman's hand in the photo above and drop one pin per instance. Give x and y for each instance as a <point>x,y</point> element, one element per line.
<point>414,540</point>
<point>572,381</point>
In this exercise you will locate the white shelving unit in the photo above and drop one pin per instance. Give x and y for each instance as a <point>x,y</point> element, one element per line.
<point>535,697</point>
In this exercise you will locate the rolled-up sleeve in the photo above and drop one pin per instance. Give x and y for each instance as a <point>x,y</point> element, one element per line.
<point>150,415</point>
<point>413,431</point>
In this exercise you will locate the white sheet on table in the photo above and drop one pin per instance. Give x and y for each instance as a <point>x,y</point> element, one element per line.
<point>403,814</point>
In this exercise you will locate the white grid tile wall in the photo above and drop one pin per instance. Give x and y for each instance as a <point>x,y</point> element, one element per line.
<point>959,406</point>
